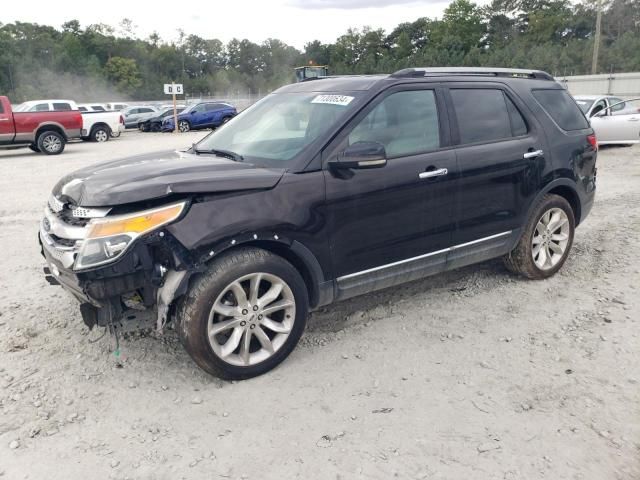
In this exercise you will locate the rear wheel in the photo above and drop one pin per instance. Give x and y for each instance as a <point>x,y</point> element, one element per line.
<point>225,120</point>
<point>51,142</point>
<point>546,240</point>
<point>245,315</point>
<point>100,134</point>
<point>184,126</point>
<point>115,134</point>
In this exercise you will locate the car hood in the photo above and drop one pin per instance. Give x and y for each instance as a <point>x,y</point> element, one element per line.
<point>157,175</point>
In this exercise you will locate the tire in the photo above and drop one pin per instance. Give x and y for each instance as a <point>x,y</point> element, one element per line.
<point>33,147</point>
<point>184,126</point>
<point>100,134</point>
<point>225,120</point>
<point>241,267</point>
<point>115,134</point>
<point>51,142</point>
<point>556,242</point>
<point>155,127</point>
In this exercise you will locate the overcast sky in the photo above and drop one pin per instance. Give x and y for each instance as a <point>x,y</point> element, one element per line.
<point>292,21</point>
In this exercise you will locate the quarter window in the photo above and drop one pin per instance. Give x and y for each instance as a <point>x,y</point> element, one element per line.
<point>486,115</point>
<point>562,108</point>
<point>405,123</point>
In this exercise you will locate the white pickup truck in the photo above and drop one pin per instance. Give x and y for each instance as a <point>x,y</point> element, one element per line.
<point>99,125</point>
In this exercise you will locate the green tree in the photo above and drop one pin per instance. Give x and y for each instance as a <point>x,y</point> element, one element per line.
<point>124,73</point>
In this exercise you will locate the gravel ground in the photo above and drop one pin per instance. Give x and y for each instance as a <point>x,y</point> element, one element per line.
<point>471,374</point>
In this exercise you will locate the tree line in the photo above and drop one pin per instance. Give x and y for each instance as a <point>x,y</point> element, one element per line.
<point>100,62</point>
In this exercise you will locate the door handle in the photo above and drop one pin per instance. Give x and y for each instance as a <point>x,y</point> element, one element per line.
<point>433,173</point>
<point>534,154</point>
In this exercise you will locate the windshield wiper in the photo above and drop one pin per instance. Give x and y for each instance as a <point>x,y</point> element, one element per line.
<point>236,157</point>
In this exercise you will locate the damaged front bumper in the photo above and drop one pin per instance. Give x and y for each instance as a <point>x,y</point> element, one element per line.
<point>136,291</point>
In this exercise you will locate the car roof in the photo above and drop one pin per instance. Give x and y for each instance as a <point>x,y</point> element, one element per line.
<point>592,97</point>
<point>48,100</point>
<point>334,84</point>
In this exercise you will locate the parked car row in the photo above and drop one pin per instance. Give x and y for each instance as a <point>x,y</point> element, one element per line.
<point>194,117</point>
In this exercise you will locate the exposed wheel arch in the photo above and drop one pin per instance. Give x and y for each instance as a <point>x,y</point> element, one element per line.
<point>49,128</point>
<point>571,196</point>
<point>320,290</point>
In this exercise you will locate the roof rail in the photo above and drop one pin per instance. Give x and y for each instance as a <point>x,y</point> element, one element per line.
<point>480,71</point>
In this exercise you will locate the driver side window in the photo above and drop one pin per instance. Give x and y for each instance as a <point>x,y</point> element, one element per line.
<point>405,123</point>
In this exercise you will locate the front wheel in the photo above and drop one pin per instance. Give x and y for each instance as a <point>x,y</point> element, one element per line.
<point>244,315</point>
<point>184,126</point>
<point>546,240</point>
<point>51,142</point>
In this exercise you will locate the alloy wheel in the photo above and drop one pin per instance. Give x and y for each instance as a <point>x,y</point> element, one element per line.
<point>184,126</point>
<point>51,143</point>
<point>251,319</point>
<point>550,238</point>
<point>101,136</point>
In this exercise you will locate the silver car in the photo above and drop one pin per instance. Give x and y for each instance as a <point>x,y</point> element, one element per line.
<point>133,116</point>
<point>615,121</point>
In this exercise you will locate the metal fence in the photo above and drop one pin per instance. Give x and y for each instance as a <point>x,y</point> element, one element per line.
<point>620,84</point>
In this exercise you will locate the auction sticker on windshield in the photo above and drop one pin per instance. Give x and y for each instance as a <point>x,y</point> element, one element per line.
<point>333,99</point>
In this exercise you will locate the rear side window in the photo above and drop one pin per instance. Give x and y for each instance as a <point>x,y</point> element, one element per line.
<point>561,107</point>
<point>98,108</point>
<point>518,125</point>
<point>61,107</point>
<point>212,106</point>
<point>483,115</point>
<point>40,107</point>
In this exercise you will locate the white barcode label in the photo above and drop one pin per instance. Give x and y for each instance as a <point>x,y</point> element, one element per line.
<point>343,100</point>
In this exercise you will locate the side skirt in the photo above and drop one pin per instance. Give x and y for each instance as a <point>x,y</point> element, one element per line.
<point>402,271</point>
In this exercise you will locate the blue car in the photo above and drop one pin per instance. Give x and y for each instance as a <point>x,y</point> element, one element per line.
<point>201,115</point>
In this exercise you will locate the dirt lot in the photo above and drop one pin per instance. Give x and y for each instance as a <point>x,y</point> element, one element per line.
<point>475,374</point>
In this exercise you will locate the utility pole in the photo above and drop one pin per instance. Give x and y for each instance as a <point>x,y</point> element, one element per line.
<point>596,43</point>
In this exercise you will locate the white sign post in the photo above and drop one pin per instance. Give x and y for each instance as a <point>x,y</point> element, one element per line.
<point>174,89</point>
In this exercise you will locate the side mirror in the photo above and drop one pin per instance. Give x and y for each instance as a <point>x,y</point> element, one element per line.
<point>361,155</point>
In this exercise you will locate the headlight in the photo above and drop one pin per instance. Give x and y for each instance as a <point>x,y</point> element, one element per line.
<point>109,237</point>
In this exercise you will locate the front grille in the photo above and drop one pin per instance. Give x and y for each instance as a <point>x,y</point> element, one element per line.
<point>65,242</point>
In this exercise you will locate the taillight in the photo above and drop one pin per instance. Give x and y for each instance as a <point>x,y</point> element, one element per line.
<point>593,141</point>
<point>121,119</point>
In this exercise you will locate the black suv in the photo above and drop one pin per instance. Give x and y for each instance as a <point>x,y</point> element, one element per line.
<point>323,190</point>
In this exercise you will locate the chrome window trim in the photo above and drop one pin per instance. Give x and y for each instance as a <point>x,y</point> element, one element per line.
<point>420,257</point>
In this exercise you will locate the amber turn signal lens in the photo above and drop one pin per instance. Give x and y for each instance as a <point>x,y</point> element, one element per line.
<point>138,223</point>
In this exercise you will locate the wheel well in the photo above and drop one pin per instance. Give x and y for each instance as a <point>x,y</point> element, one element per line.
<point>50,128</point>
<point>289,255</point>
<point>570,196</point>
<point>100,124</point>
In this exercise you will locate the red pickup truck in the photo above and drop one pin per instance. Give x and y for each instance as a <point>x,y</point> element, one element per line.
<point>45,132</point>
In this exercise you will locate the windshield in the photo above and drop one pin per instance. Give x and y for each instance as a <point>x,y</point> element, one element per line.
<point>584,105</point>
<point>278,127</point>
